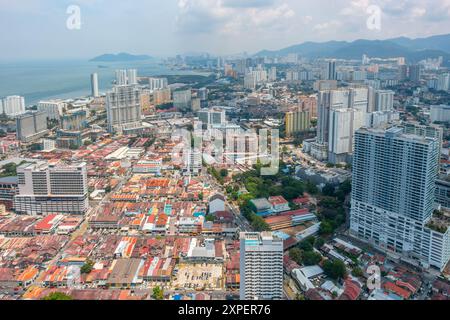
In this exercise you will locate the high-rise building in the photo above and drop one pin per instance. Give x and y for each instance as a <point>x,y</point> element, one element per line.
<point>45,189</point>
<point>182,100</point>
<point>354,104</point>
<point>250,81</point>
<point>297,121</point>
<point>212,116</point>
<point>440,113</point>
<point>53,108</point>
<point>443,82</point>
<point>353,98</point>
<point>73,130</point>
<point>161,96</point>
<point>132,77</point>
<point>402,72</point>
<point>94,85</point>
<point>261,266</point>
<point>157,83</point>
<point>342,127</point>
<point>384,100</point>
<point>123,108</point>
<point>415,72</point>
<point>31,126</point>
<point>13,106</point>
<point>192,160</point>
<point>330,72</point>
<point>121,77</point>
<point>273,74</point>
<point>393,195</point>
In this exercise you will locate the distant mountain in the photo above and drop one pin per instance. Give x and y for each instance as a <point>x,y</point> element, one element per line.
<point>440,43</point>
<point>120,57</point>
<point>412,49</point>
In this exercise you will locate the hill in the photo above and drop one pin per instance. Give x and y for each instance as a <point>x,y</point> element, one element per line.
<point>120,57</point>
<point>412,49</point>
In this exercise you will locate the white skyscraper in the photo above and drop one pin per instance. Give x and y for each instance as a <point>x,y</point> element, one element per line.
<point>384,100</point>
<point>182,99</point>
<point>393,195</point>
<point>157,83</point>
<point>132,76</point>
<point>45,189</point>
<point>121,77</point>
<point>31,126</point>
<point>94,85</point>
<point>53,108</point>
<point>250,81</point>
<point>343,124</point>
<point>443,82</point>
<point>123,108</point>
<point>261,266</point>
<point>273,74</point>
<point>13,105</point>
<point>355,99</point>
<point>212,116</point>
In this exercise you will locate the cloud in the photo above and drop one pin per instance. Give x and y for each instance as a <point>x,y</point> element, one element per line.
<point>247,3</point>
<point>231,16</point>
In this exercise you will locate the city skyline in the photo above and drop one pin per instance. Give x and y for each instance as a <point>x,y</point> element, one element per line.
<point>219,27</point>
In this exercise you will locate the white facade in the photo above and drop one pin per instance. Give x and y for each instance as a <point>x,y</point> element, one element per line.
<point>31,126</point>
<point>132,77</point>
<point>250,82</point>
<point>53,108</point>
<point>261,266</point>
<point>123,108</point>
<point>192,160</point>
<point>213,116</point>
<point>216,204</point>
<point>121,77</point>
<point>443,82</point>
<point>384,100</point>
<point>393,196</point>
<point>157,83</point>
<point>94,85</point>
<point>182,100</point>
<point>13,106</point>
<point>440,113</point>
<point>45,189</point>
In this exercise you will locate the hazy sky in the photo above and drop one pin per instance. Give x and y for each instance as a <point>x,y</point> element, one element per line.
<point>36,29</point>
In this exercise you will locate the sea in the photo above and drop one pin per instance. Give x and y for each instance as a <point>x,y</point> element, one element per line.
<point>68,79</point>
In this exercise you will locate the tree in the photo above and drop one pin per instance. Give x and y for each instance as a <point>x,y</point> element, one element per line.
<point>319,242</point>
<point>311,188</point>
<point>87,267</point>
<point>158,293</point>
<point>328,190</point>
<point>306,246</point>
<point>296,255</point>
<point>57,296</point>
<point>210,218</point>
<point>259,224</point>
<point>326,227</point>
<point>335,269</point>
<point>357,272</point>
<point>311,258</point>
<point>224,173</point>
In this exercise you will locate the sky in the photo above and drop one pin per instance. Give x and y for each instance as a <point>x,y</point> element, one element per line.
<point>37,29</point>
